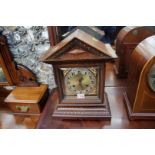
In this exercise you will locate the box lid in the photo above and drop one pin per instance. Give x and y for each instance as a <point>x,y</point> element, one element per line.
<point>26,94</point>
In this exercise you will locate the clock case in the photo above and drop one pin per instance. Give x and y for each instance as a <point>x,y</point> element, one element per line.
<point>127,40</point>
<point>139,97</point>
<point>80,49</point>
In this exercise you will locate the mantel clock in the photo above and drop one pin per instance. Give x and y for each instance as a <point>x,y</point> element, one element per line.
<point>79,69</point>
<point>127,40</point>
<point>140,91</point>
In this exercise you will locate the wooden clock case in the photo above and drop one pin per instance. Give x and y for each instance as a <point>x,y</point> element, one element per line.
<point>139,98</point>
<point>127,39</point>
<point>80,50</point>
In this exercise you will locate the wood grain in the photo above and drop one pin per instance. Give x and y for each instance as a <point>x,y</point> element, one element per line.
<point>139,97</point>
<point>27,99</point>
<point>80,49</point>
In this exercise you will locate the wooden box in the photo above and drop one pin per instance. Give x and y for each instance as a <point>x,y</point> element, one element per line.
<point>27,100</point>
<point>140,91</point>
<point>127,39</point>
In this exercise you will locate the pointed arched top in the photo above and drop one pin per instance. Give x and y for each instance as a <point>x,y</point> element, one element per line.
<point>79,41</point>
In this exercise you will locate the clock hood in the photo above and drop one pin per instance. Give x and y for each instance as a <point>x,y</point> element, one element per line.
<point>79,46</point>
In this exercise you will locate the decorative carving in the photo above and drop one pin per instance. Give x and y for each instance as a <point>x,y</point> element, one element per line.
<point>77,44</point>
<point>102,112</point>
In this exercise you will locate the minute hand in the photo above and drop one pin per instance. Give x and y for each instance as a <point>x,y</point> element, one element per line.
<point>80,82</point>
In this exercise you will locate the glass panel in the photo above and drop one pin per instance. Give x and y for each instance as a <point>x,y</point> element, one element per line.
<point>2,76</point>
<point>81,81</point>
<point>151,78</point>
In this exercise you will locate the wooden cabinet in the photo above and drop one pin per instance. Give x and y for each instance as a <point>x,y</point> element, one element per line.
<point>127,39</point>
<point>140,92</point>
<point>79,68</point>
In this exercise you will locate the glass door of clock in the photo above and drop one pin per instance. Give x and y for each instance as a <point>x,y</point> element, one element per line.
<point>81,81</point>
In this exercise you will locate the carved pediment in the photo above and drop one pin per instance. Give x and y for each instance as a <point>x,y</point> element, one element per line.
<point>78,45</point>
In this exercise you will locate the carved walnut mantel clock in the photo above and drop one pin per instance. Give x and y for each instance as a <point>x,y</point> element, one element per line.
<point>79,67</point>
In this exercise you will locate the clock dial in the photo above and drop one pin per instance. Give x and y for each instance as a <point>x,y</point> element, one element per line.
<point>80,81</point>
<point>151,78</point>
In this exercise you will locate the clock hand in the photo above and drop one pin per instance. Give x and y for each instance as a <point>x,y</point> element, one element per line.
<point>80,81</point>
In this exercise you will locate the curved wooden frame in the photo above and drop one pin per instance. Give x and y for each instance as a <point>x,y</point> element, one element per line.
<point>17,75</point>
<point>127,40</point>
<point>139,98</point>
<point>6,63</point>
<point>6,73</point>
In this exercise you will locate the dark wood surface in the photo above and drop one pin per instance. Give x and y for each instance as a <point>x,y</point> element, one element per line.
<point>115,89</point>
<point>52,35</point>
<point>12,121</point>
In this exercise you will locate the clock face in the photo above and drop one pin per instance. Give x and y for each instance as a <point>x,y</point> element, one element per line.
<point>81,81</point>
<point>151,78</point>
